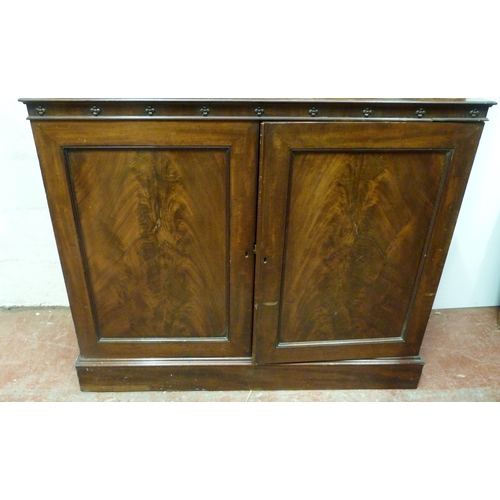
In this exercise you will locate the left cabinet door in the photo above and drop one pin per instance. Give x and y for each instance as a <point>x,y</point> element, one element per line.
<point>155,225</point>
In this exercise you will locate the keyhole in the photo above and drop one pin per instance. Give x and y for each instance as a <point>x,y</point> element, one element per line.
<point>246,255</point>
<point>265,260</point>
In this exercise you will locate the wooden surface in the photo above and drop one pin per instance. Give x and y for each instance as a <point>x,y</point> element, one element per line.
<point>356,227</point>
<point>160,244</point>
<point>155,227</point>
<point>197,257</point>
<point>259,109</point>
<point>241,374</point>
<point>362,216</point>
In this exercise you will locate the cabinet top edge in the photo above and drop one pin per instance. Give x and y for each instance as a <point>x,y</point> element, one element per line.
<point>258,109</point>
<point>371,100</point>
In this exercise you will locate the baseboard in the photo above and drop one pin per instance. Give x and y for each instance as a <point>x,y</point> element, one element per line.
<point>238,374</point>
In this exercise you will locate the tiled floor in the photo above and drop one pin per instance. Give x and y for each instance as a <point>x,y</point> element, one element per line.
<point>461,349</point>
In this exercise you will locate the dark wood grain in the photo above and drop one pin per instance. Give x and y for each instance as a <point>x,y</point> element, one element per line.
<point>241,374</point>
<point>349,264</point>
<point>154,226</point>
<point>356,227</point>
<point>154,223</point>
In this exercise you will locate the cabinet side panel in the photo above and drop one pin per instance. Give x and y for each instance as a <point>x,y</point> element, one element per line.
<point>154,227</point>
<point>356,229</point>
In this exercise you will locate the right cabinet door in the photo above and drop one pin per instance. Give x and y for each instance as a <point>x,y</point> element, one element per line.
<point>355,220</point>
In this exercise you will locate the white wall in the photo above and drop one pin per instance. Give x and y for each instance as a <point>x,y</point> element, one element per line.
<point>54,49</point>
<point>471,276</point>
<point>30,273</point>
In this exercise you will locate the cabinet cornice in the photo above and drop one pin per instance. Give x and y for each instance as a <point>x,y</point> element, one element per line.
<point>458,110</point>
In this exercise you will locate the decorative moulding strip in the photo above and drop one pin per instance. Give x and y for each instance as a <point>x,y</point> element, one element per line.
<point>258,110</point>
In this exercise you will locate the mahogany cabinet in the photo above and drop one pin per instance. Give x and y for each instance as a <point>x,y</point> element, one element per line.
<point>242,244</point>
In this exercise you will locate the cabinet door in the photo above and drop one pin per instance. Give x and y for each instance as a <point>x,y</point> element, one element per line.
<point>355,221</point>
<point>155,223</point>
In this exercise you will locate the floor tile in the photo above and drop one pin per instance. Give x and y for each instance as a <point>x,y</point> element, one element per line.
<point>461,348</point>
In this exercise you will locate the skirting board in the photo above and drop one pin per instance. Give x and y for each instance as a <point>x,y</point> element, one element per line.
<point>239,374</point>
